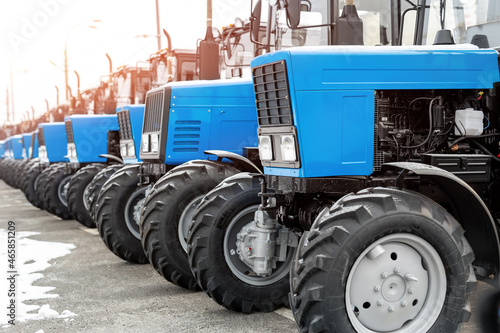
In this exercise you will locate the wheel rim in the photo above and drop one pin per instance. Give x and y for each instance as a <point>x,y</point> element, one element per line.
<point>185,221</point>
<point>397,284</point>
<point>133,211</point>
<point>86,196</point>
<point>62,190</point>
<point>239,268</point>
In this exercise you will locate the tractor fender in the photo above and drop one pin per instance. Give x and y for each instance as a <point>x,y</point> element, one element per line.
<point>111,157</point>
<point>241,163</point>
<point>473,214</point>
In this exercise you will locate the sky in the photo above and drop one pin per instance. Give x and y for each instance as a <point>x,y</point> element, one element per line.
<point>33,34</point>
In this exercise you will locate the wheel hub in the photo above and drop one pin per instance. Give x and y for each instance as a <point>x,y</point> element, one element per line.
<point>133,211</point>
<point>62,190</point>
<point>392,283</point>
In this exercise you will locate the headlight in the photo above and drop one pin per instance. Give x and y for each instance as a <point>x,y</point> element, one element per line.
<point>123,150</point>
<point>145,143</point>
<point>71,150</point>
<point>130,149</point>
<point>288,148</point>
<point>154,143</point>
<point>265,148</point>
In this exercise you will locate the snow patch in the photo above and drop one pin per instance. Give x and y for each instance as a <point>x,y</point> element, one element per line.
<point>32,258</point>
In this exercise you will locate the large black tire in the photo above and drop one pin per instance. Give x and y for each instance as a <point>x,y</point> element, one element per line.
<point>11,171</point>
<point>78,194</point>
<point>96,184</point>
<point>382,260</point>
<point>41,184</point>
<point>30,177</point>
<point>22,166</point>
<point>56,190</point>
<point>213,254</point>
<point>117,215</point>
<point>168,212</point>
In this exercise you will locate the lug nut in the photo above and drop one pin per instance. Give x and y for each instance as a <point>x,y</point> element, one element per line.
<point>376,288</point>
<point>397,270</point>
<point>404,304</point>
<point>410,290</point>
<point>391,309</point>
<point>380,303</point>
<point>384,275</point>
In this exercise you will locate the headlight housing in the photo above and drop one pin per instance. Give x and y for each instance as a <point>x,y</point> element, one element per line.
<point>265,148</point>
<point>145,143</point>
<point>130,149</point>
<point>288,152</point>
<point>123,149</point>
<point>154,142</point>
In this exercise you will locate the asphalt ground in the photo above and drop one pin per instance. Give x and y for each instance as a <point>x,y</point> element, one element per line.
<point>111,295</point>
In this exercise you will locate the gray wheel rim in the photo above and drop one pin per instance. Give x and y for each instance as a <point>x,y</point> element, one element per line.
<point>62,190</point>
<point>86,196</point>
<point>185,221</point>
<point>133,210</point>
<point>398,284</point>
<point>239,268</point>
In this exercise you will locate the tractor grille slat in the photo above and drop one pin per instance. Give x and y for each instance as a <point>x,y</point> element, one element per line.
<point>272,94</point>
<point>41,140</point>
<point>69,131</point>
<point>125,125</point>
<point>153,111</point>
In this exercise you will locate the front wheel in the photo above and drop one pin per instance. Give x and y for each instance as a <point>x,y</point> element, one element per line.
<point>118,214</point>
<point>168,212</point>
<point>222,221</point>
<point>78,194</point>
<point>56,191</point>
<point>382,260</point>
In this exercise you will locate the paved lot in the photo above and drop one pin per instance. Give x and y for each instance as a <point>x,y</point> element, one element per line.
<point>110,295</point>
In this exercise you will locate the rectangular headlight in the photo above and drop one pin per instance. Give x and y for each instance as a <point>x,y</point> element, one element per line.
<point>154,143</point>
<point>265,148</point>
<point>145,143</point>
<point>123,149</point>
<point>288,148</point>
<point>130,149</point>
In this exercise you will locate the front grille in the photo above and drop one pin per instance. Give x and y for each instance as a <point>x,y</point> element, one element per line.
<point>272,94</point>
<point>69,131</point>
<point>125,125</point>
<point>153,111</point>
<point>41,140</point>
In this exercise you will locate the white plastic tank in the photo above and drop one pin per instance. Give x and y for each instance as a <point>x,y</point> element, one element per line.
<point>469,122</point>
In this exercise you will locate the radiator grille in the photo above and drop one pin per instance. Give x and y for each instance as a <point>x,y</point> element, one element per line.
<point>125,125</point>
<point>153,111</point>
<point>186,136</point>
<point>272,94</point>
<point>41,140</point>
<point>69,131</point>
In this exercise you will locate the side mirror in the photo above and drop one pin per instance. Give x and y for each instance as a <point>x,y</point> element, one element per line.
<point>255,20</point>
<point>293,13</point>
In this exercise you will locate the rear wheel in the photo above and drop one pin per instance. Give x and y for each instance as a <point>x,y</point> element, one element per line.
<point>168,212</point>
<point>78,194</point>
<point>96,184</point>
<point>222,220</point>
<point>118,214</point>
<point>56,191</point>
<point>383,260</point>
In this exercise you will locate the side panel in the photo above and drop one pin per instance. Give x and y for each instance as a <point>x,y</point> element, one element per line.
<point>336,134</point>
<point>17,146</point>
<point>91,136</point>
<point>55,141</point>
<point>188,134</point>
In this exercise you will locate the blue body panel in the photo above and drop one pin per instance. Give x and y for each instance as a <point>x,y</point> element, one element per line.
<point>90,135</point>
<point>56,143</point>
<point>17,146</point>
<point>204,115</point>
<point>2,149</point>
<point>136,113</point>
<point>35,146</point>
<point>332,96</point>
<point>26,144</point>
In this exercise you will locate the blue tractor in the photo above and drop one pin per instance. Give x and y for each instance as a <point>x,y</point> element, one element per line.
<point>183,121</point>
<point>30,156</point>
<point>380,163</point>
